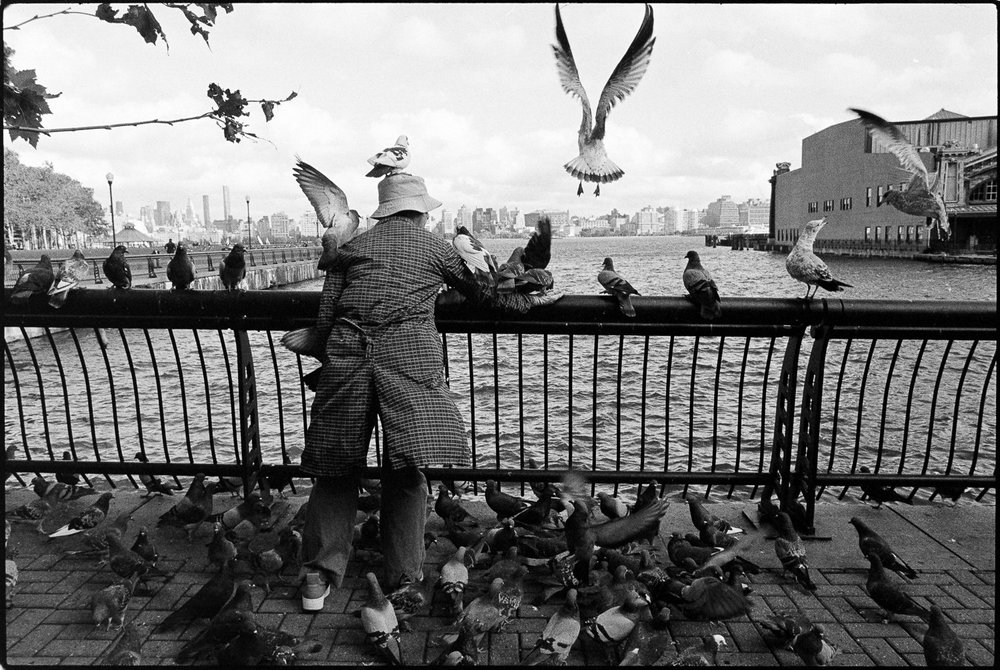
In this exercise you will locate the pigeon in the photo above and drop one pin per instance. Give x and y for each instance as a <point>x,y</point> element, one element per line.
<point>701,287</point>
<point>782,628</point>
<point>90,517</point>
<point>180,269</point>
<point>483,614</point>
<point>248,518</point>
<point>475,256</point>
<point>593,164</point>
<point>36,281</point>
<point>454,579</point>
<point>701,518</point>
<point>33,511</point>
<point>872,543</point>
<point>647,642</point>
<point>619,532</point>
<point>391,160</point>
<point>378,618</point>
<point>613,626</point>
<point>920,198</point>
<point>153,483</point>
<point>125,562</point>
<point>791,551</point>
<point>504,504</point>
<point>332,210</point>
<point>127,649</point>
<point>59,492</point>
<point>611,506</point>
<point>711,599</point>
<point>276,481</point>
<point>143,546</point>
<point>223,627</point>
<point>888,595</point>
<point>952,492</point>
<point>193,509</point>
<point>881,493</point>
<point>244,648</point>
<point>767,511</point>
<point>205,603</point>
<point>616,285</point>
<point>68,478</point>
<point>108,605</point>
<point>73,271</point>
<point>812,647</point>
<point>805,266</point>
<point>307,342</point>
<point>233,268</point>
<point>579,534</point>
<point>538,250</point>
<point>271,562</point>
<point>696,653</point>
<point>117,270</point>
<point>447,507</point>
<point>942,647</point>
<point>559,635</point>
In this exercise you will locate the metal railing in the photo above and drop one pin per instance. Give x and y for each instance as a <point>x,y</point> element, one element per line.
<point>199,383</point>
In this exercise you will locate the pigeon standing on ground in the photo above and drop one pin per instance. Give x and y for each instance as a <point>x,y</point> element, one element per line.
<point>193,509</point>
<point>205,603</point>
<point>696,653</point>
<point>153,483</point>
<point>701,287</point>
<point>35,281</point>
<point>109,604</point>
<point>233,268</point>
<point>117,269</point>
<point>180,269</point>
<point>889,595</point>
<point>73,271</point>
<point>881,493</point>
<point>68,478</point>
<point>593,164</point>
<point>390,160</point>
<point>378,618</point>
<point>942,647</point>
<point>504,504</point>
<point>559,634</point>
<point>126,651</point>
<point>144,547</point>
<point>812,647</point>
<point>791,551</point>
<point>805,266</point>
<point>124,562</point>
<point>872,543</point>
<point>616,285</point>
<point>920,198</point>
<point>89,518</point>
<point>59,492</point>
<point>454,579</point>
<point>332,210</point>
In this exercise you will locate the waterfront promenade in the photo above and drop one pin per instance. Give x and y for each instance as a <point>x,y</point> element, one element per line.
<point>952,548</point>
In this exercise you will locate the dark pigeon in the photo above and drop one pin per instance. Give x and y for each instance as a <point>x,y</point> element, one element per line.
<point>117,269</point>
<point>701,287</point>
<point>180,269</point>
<point>233,269</point>
<point>35,281</point>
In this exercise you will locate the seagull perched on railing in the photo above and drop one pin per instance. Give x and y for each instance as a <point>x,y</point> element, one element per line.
<point>593,163</point>
<point>805,266</point>
<point>921,198</point>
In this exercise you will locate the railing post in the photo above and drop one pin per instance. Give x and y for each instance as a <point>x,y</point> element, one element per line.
<point>784,418</point>
<point>250,457</point>
<point>151,267</point>
<point>211,265</point>
<point>807,456</point>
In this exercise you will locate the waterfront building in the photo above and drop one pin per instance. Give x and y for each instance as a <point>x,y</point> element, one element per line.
<point>755,215</point>
<point>646,221</point>
<point>447,223</point>
<point>845,174</point>
<point>689,220</point>
<point>309,223</point>
<point>463,218</point>
<point>558,217</point>
<point>280,225</point>
<point>723,213</point>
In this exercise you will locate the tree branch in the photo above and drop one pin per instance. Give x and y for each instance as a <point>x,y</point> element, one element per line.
<point>109,126</point>
<point>46,16</point>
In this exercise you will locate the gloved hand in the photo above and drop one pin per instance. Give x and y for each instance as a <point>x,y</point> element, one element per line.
<point>544,299</point>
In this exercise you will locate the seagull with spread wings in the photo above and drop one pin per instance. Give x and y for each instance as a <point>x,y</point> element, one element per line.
<point>331,208</point>
<point>921,198</point>
<point>593,163</point>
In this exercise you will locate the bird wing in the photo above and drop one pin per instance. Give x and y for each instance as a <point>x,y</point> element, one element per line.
<point>472,252</point>
<point>615,283</point>
<point>568,75</point>
<point>538,250</point>
<point>807,267</point>
<point>328,200</point>
<point>700,283</point>
<point>628,74</point>
<point>893,139</point>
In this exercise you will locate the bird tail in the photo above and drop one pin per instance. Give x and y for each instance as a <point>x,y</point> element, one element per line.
<point>625,304</point>
<point>834,285</point>
<point>60,291</point>
<point>712,311</point>
<point>607,172</point>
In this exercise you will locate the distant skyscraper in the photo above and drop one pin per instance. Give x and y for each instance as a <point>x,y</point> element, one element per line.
<point>723,213</point>
<point>207,218</point>
<point>119,207</point>
<point>161,217</point>
<point>225,202</point>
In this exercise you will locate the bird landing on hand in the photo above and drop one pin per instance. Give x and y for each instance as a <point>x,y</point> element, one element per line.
<point>390,160</point>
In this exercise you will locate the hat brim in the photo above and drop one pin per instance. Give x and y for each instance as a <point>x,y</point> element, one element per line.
<point>415,203</point>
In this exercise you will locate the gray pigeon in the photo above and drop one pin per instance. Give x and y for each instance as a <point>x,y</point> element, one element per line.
<point>701,287</point>
<point>871,542</point>
<point>805,266</point>
<point>331,207</point>
<point>889,595</point>
<point>617,286</point>
<point>941,645</point>
<point>126,650</point>
<point>109,604</point>
<point>73,271</point>
<point>33,282</point>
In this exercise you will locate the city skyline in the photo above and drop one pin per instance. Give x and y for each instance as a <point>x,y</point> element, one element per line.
<point>731,90</point>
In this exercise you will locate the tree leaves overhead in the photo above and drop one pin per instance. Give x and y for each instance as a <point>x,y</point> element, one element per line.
<point>23,99</point>
<point>139,17</point>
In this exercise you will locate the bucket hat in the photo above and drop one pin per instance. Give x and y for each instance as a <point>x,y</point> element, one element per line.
<point>401,192</point>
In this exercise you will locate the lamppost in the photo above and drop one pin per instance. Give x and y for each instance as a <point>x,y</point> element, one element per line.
<point>249,246</point>
<point>114,238</point>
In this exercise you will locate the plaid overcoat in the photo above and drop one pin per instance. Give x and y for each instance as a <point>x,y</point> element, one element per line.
<point>385,355</point>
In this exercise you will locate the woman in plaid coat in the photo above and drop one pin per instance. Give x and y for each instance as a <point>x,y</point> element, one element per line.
<point>385,359</point>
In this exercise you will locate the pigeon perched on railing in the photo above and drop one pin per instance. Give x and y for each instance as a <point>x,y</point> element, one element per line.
<point>72,271</point>
<point>479,261</point>
<point>180,269</point>
<point>35,281</point>
<point>616,285</point>
<point>805,266</point>
<point>593,164</point>
<point>233,268</point>
<point>390,160</point>
<point>117,269</point>
<point>920,198</point>
<point>701,287</point>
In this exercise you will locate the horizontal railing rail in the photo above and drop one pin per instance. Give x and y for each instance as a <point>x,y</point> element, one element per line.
<point>198,382</point>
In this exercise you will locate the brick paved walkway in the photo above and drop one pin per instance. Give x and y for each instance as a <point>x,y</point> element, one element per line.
<point>951,548</point>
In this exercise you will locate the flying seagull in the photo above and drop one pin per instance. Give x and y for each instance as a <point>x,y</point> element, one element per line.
<point>921,198</point>
<point>805,266</point>
<point>593,163</point>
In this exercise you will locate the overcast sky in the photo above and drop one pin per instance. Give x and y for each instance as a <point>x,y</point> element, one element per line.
<point>730,91</point>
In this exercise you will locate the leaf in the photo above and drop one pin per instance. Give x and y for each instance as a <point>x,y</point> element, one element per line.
<point>268,107</point>
<point>139,17</point>
<point>24,103</point>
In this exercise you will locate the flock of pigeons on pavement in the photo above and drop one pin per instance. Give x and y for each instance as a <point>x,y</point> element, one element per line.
<point>600,558</point>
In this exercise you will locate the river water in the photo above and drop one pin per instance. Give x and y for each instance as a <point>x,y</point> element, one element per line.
<point>678,404</point>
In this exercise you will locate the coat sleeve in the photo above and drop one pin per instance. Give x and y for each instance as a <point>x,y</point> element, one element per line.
<point>457,275</point>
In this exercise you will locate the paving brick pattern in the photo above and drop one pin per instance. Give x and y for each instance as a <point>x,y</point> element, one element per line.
<point>50,621</point>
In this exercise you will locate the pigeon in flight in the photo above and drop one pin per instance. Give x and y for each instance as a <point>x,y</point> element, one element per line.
<point>390,160</point>
<point>921,198</point>
<point>617,286</point>
<point>593,163</point>
<point>805,266</point>
<point>116,268</point>
<point>180,269</point>
<point>233,268</point>
<point>701,287</point>
<point>37,280</point>
<point>331,208</point>
<point>73,270</point>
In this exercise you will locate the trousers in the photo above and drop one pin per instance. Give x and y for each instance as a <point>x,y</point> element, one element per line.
<point>327,538</point>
